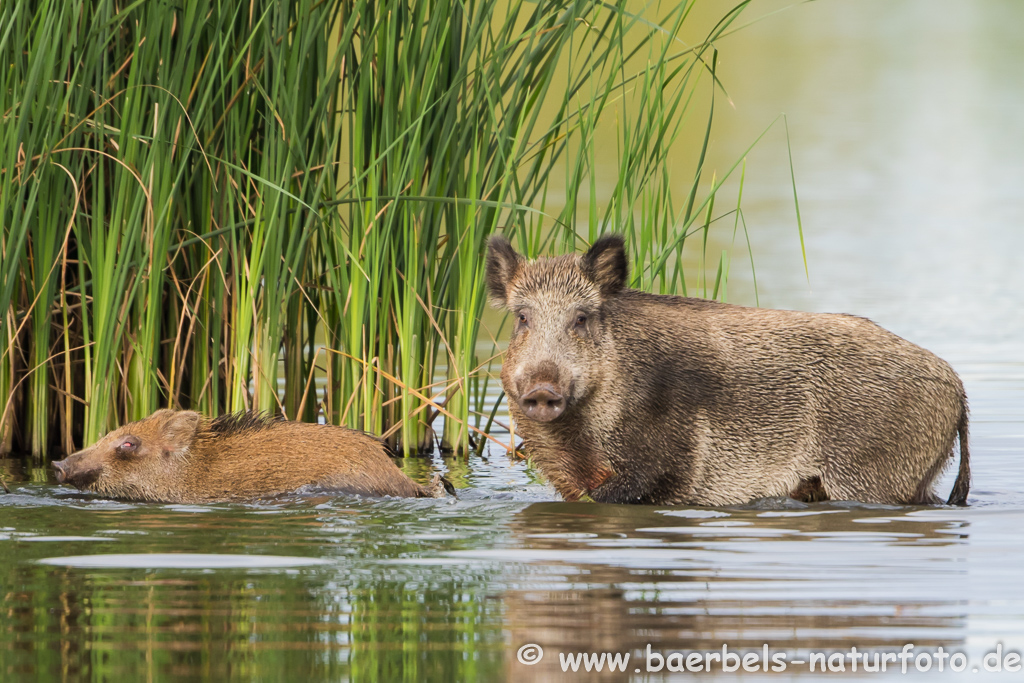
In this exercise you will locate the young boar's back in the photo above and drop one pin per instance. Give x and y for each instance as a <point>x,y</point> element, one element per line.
<point>247,456</point>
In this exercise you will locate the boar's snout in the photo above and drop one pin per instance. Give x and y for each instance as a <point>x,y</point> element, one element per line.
<point>542,402</point>
<point>79,477</point>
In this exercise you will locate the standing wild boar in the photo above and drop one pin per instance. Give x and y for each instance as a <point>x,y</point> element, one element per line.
<point>631,397</point>
<point>181,457</point>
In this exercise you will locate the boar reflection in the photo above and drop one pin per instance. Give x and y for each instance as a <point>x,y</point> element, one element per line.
<point>821,579</point>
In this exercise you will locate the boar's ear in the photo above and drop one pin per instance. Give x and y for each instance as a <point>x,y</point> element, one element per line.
<point>179,430</point>
<point>605,264</point>
<point>502,265</point>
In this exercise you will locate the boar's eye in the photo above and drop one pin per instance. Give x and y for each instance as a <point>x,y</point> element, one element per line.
<point>523,321</point>
<point>581,320</point>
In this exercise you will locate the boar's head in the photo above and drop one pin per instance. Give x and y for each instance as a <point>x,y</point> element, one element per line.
<point>135,460</point>
<point>554,358</point>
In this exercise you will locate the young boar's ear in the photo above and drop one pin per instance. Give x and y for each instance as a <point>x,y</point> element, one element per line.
<point>502,265</point>
<point>179,430</point>
<point>605,264</point>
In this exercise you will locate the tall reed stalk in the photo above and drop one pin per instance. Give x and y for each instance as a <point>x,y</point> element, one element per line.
<point>284,205</point>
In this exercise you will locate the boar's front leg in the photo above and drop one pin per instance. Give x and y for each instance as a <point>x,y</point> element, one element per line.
<point>622,488</point>
<point>574,474</point>
<point>646,486</point>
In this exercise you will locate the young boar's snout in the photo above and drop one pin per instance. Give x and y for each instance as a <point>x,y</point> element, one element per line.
<point>542,402</point>
<point>58,468</point>
<point>69,472</point>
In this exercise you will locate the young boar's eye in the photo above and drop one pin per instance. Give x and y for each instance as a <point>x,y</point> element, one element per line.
<point>581,320</point>
<point>128,445</point>
<point>522,319</point>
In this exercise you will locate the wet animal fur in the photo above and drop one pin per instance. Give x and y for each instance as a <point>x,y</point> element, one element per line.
<point>182,457</point>
<point>680,400</point>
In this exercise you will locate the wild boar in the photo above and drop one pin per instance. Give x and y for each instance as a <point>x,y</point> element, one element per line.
<point>182,457</point>
<point>631,397</point>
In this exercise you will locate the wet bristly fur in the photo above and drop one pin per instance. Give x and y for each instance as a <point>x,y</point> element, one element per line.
<point>181,457</point>
<point>679,400</point>
<point>245,421</point>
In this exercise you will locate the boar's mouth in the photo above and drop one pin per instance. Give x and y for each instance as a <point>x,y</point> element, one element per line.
<point>79,478</point>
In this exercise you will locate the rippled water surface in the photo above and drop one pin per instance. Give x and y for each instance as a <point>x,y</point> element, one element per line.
<point>907,124</point>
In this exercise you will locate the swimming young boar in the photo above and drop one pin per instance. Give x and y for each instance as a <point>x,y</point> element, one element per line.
<point>181,457</point>
<point>630,397</point>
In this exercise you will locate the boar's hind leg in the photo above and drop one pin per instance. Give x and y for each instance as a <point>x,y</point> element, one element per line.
<point>895,478</point>
<point>925,495</point>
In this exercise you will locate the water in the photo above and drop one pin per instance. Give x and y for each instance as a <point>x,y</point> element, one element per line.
<point>906,127</point>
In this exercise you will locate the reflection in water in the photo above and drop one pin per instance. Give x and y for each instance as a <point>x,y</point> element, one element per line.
<point>170,560</point>
<point>424,590</point>
<point>355,617</point>
<point>620,579</point>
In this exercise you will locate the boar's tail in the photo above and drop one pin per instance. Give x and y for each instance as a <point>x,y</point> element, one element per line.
<point>958,496</point>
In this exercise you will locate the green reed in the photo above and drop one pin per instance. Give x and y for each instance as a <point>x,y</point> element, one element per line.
<point>284,206</point>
